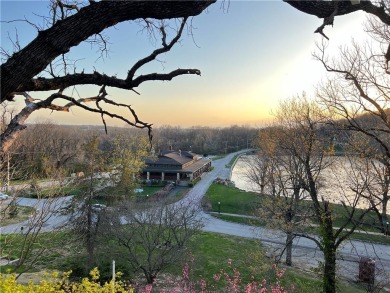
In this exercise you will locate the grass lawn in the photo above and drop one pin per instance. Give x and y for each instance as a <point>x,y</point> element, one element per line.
<point>230,164</point>
<point>210,253</point>
<point>22,215</point>
<point>54,191</point>
<point>214,158</point>
<point>235,201</point>
<point>28,181</point>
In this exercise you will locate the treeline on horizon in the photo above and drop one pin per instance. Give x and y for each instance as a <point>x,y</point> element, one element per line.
<point>46,147</point>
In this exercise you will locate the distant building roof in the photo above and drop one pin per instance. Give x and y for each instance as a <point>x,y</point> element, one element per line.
<point>175,161</point>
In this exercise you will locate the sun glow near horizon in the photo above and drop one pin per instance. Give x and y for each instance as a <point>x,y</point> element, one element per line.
<point>250,60</point>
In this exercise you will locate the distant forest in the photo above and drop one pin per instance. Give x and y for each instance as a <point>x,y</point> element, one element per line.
<point>48,147</point>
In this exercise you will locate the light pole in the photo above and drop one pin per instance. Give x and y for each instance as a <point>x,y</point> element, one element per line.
<point>219,207</point>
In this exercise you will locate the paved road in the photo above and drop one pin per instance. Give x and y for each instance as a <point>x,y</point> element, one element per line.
<point>305,253</point>
<point>46,210</point>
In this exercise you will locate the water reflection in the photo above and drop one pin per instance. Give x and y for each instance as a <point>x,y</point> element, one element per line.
<point>337,181</point>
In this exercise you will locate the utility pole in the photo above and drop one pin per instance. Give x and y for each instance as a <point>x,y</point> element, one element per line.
<point>7,185</point>
<point>113,276</point>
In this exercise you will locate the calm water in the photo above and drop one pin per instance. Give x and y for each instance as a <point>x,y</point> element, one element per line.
<point>336,181</point>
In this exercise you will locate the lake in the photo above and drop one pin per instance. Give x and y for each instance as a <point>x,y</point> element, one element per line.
<point>336,180</point>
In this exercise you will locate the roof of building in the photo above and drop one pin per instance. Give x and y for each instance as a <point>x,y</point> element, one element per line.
<point>176,158</point>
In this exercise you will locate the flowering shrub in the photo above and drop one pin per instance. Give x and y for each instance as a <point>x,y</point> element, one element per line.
<point>53,284</point>
<point>225,280</point>
<point>229,280</point>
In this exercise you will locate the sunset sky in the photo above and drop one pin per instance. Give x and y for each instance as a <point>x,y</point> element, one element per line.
<point>251,56</point>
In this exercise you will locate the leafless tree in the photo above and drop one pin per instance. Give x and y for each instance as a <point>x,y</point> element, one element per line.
<point>30,69</point>
<point>303,156</point>
<point>25,241</point>
<point>155,235</point>
<point>357,93</point>
<point>45,151</point>
<point>84,217</point>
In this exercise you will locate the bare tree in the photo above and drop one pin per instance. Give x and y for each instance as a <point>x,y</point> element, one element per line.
<point>358,94</point>
<point>25,241</point>
<point>304,154</point>
<point>261,167</point>
<point>45,151</point>
<point>69,25</point>
<point>85,219</point>
<point>285,187</point>
<point>155,235</point>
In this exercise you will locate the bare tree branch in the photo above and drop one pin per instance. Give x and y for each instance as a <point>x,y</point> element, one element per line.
<point>63,35</point>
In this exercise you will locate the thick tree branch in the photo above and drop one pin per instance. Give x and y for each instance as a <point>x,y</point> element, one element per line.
<point>71,31</point>
<point>324,9</point>
<point>96,78</point>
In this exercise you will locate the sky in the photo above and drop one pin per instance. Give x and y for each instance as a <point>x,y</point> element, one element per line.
<point>251,54</point>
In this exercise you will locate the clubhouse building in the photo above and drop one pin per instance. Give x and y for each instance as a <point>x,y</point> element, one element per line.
<point>179,166</point>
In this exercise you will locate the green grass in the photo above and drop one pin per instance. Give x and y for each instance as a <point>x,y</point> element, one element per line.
<point>55,245</point>
<point>230,164</point>
<point>22,215</point>
<point>218,157</point>
<point>149,190</point>
<point>235,201</point>
<point>54,191</point>
<point>210,253</point>
<point>29,181</point>
<point>241,220</point>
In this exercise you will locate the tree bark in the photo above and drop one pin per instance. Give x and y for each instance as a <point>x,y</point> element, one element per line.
<point>329,250</point>
<point>323,9</point>
<point>289,242</point>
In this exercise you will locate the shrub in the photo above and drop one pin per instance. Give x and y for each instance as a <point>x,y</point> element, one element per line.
<point>53,283</point>
<point>228,280</point>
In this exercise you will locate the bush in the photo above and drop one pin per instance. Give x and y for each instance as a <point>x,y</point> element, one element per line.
<point>228,280</point>
<point>194,182</point>
<point>53,283</point>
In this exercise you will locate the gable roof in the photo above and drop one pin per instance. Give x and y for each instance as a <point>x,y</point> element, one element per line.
<point>178,158</point>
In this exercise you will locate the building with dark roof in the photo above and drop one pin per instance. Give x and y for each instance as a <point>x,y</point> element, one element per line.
<point>179,166</point>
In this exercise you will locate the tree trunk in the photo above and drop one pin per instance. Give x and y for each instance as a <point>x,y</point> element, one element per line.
<point>329,250</point>
<point>90,245</point>
<point>289,242</point>
<point>329,278</point>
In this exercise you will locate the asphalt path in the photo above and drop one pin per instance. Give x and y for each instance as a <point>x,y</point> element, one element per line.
<point>47,210</point>
<point>305,252</point>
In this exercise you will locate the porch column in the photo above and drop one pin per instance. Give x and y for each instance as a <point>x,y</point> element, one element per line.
<point>178,176</point>
<point>147,175</point>
<point>191,176</point>
<point>162,176</point>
